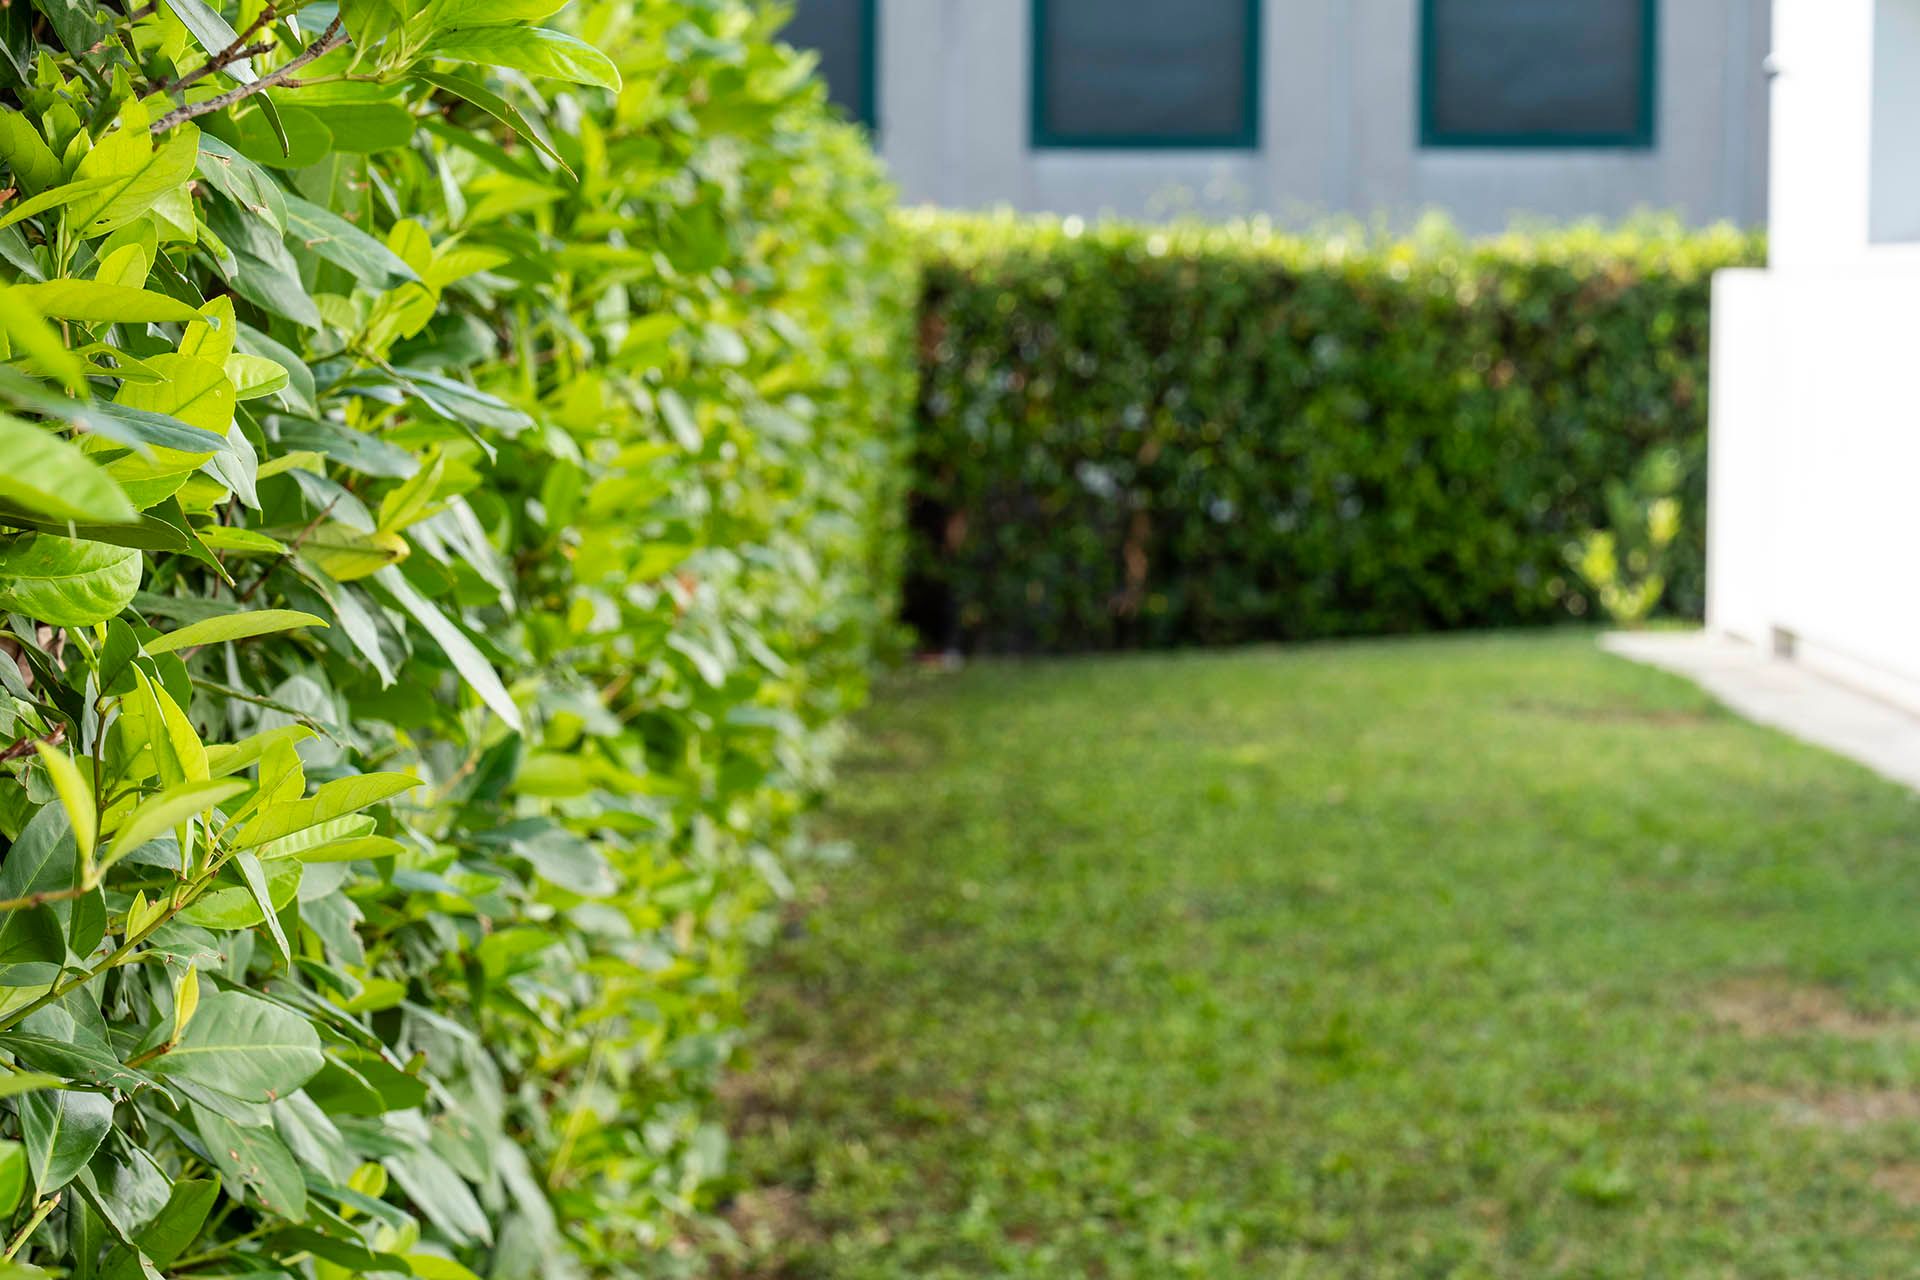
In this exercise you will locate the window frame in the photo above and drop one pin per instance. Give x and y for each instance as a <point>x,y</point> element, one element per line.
<point>1041,138</point>
<point>866,105</point>
<point>1643,137</point>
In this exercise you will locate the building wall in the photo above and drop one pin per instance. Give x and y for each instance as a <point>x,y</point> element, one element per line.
<point>1815,436</point>
<point>1339,126</point>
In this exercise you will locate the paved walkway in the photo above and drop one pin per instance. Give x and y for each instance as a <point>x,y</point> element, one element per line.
<point>1785,696</point>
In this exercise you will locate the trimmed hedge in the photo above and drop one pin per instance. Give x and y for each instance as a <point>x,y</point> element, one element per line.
<point>1138,436</point>
<point>447,501</point>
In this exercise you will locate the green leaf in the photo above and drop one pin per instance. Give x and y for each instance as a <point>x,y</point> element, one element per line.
<point>13,1176</point>
<point>79,24</point>
<point>61,1130</point>
<point>440,1192</point>
<point>76,1060</point>
<point>76,797</point>
<point>148,533</point>
<point>680,420</point>
<point>42,860</point>
<point>54,199</point>
<point>145,432</point>
<point>226,758</point>
<point>352,849</point>
<point>264,270</point>
<point>137,174</point>
<point>466,658</point>
<point>334,799</point>
<point>67,583</point>
<point>497,107</point>
<point>20,1082</point>
<point>212,336</point>
<point>241,1045</point>
<point>51,476</point>
<point>534,50</point>
<point>346,554</point>
<point>178,1225</point>
<point>364,128</point>
<point>214,33</point>
<point>345,245</point>
<point>255,877</point>
<point>289,138</point>
<point>91,302</point>
<point>194,391</point>
<point>256,1160</point>
<point>353,827</point>
<point>233,626</point>
<point>161,737</point>
<point>29,331</point>
<point>243,182</point>
<point>255,376</point>
<point>161,813</point>
<point>25,152</point>
<point>484,13</point>
<point>233,906</point>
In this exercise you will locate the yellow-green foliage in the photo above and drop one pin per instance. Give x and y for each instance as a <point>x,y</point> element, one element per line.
<point>448,464</point>
<point>1137,435</point>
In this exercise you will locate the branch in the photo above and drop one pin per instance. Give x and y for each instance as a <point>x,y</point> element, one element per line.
<point>292,548</point>
<point>41,899</point>
<point>332,38</point>
<point>24,747</point>
<point>234,52</point>
<point>40,1212</point>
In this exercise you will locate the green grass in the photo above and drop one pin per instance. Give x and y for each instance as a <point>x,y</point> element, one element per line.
<point>1485,957</point>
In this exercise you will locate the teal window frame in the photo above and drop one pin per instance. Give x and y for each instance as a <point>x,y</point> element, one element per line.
<point>1644,136</point>
<point>866,97</point>
<point>869,102</point>
<point>1041,138</point>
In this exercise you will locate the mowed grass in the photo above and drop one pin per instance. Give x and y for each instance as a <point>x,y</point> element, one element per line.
<point>1482,957</point>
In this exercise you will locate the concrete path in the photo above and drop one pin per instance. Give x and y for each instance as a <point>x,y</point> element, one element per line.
<point>1785,696</point>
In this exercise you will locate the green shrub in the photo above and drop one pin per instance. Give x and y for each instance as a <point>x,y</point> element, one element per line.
<point>446,503</point>
<point>1139,436</point>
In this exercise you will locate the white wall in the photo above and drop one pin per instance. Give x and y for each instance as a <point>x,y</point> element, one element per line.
<point>1339,126</point>
<point>1815,437</point>
<point>1814,450</point>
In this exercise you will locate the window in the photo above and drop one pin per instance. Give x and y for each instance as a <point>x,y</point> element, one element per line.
<point>1538,73</point>
<point>842,33</point>
<point>1146,73</point>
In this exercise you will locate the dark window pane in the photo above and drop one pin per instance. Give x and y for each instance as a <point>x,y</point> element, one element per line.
<point>839,31</point>
<point>1172,71</point>
<point>1538,69</point>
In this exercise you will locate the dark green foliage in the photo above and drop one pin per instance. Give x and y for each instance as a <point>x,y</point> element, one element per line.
<point>1141,437</point>
<point>448,499</point>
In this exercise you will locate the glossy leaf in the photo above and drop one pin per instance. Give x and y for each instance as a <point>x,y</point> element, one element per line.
<point>534,50</point>
<point>51,477</point>
<point>233,626</point>
<point>244,1046</point>
<point>65,582</point>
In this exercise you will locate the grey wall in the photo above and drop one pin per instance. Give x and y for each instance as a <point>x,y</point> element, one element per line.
<point>1339,126</point>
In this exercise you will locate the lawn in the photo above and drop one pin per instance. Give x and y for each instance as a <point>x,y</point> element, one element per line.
<point>1482,957</point>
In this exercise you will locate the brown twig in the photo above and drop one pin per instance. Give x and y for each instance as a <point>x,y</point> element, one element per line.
<point>292,547</point>
<point>233,53</point>
<point>42,899</point>
<point>330,39</point>
<point>25,746</point>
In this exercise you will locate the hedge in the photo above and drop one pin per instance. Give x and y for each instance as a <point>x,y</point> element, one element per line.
<point>1136,436</point>
<point>449,473</point>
